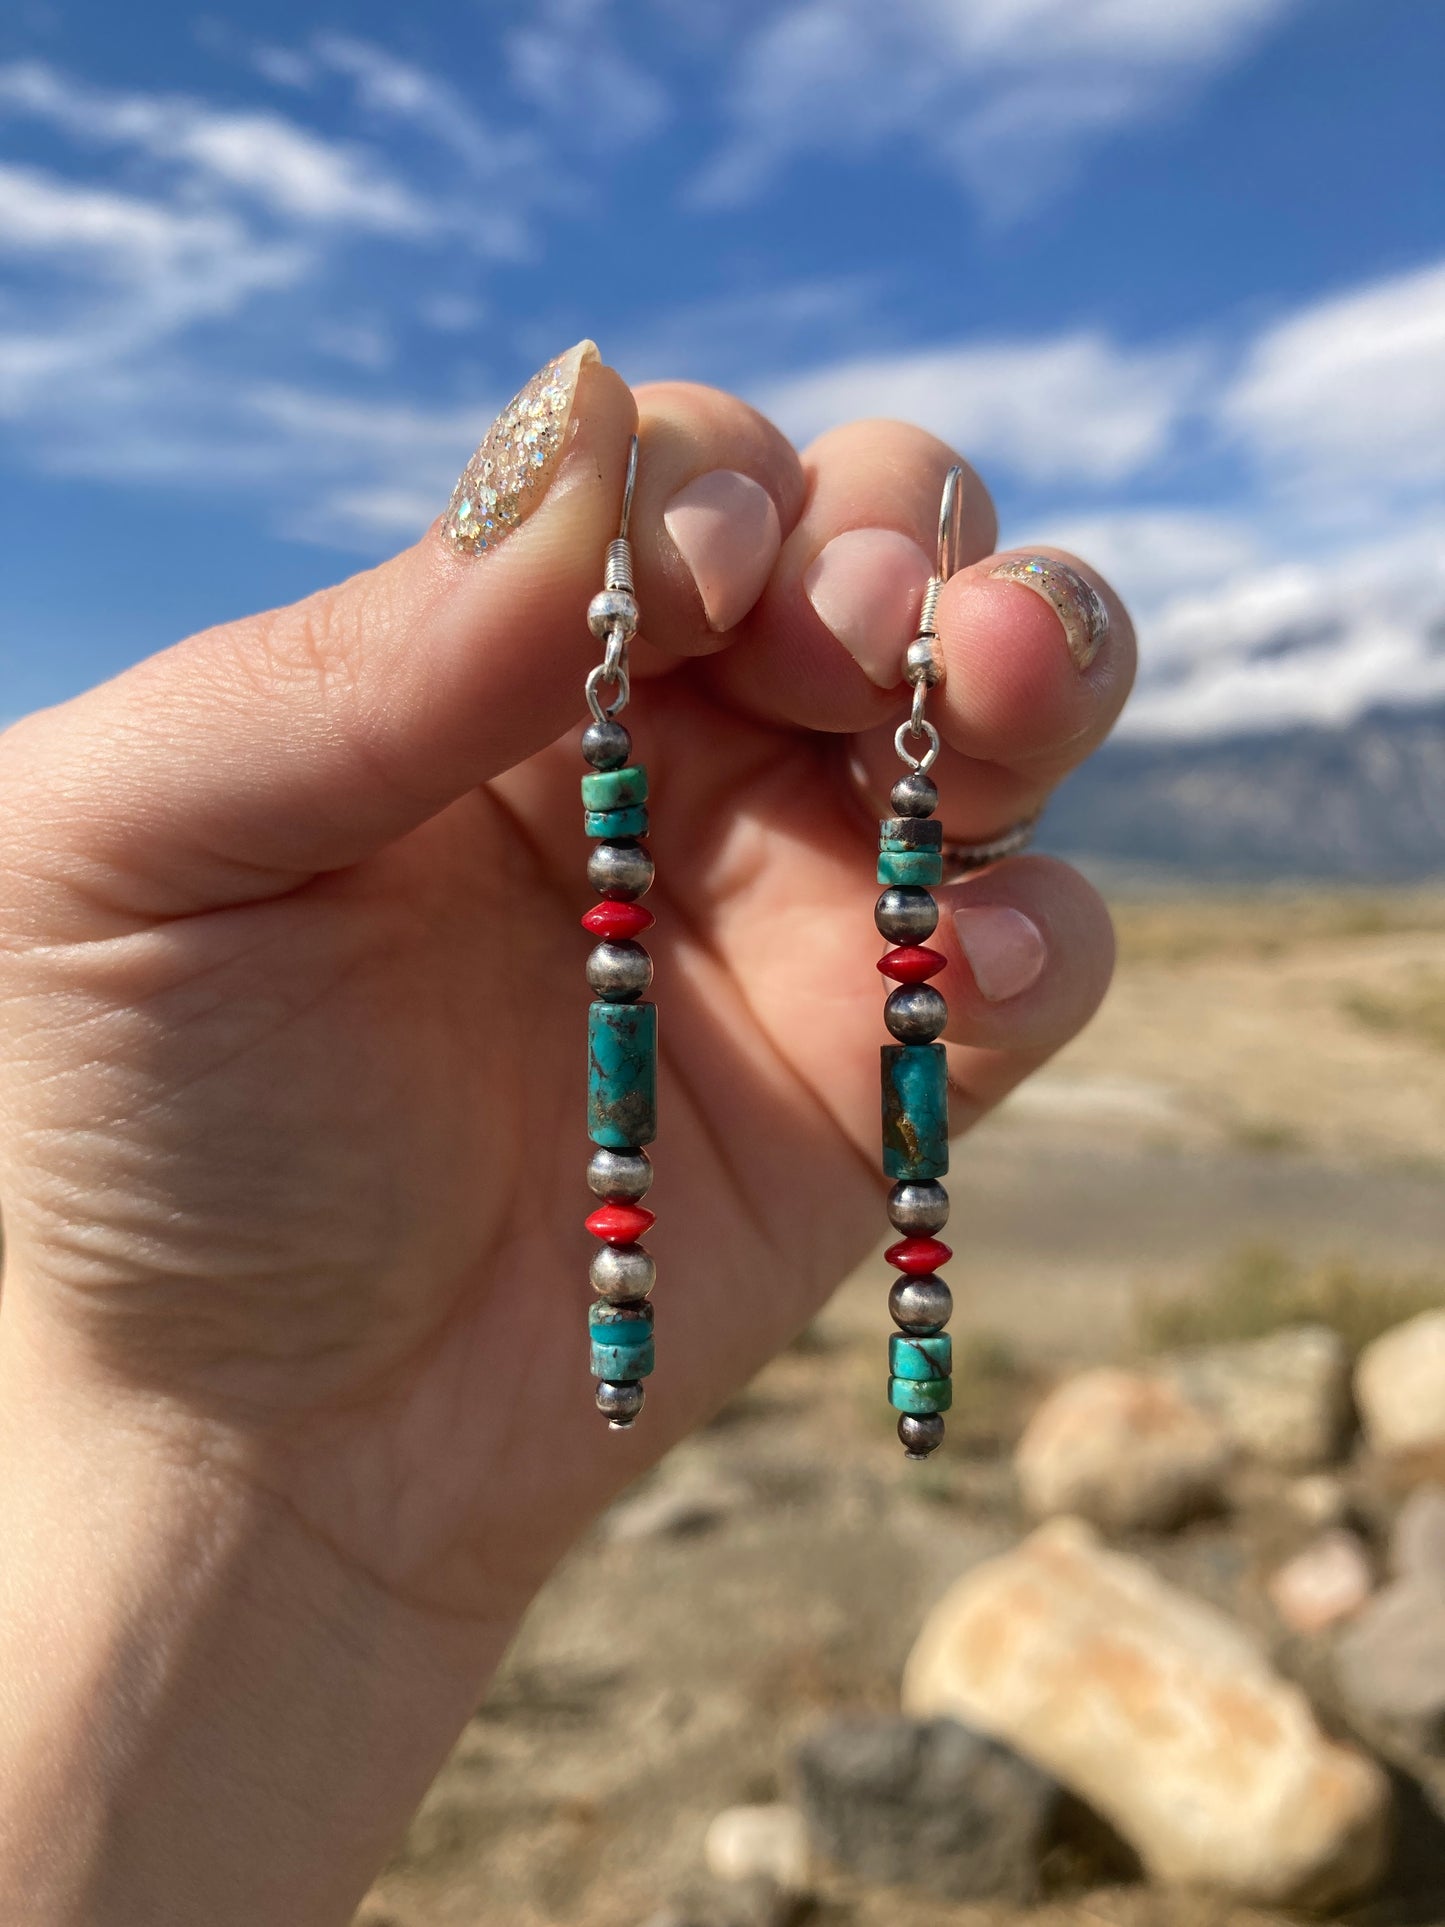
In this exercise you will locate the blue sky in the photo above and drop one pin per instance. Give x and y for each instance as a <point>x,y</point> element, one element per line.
<point>1171,272</point>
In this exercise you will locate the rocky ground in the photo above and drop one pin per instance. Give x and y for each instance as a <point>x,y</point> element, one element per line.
<point>1251,1138</point>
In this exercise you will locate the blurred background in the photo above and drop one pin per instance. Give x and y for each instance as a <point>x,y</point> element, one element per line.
<point>1172,274</point>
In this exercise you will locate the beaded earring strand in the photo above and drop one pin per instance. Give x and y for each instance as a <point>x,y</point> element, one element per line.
<point>621,1030</point>
<point>915,1069</point>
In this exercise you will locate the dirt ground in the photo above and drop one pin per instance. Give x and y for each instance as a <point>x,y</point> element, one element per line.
<point>1267,1077</point>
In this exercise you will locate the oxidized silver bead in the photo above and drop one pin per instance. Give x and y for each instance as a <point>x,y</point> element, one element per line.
<point>920,1433</point>
<point>915,794</point>
<point>924,662</point>
<point>920,1305</point>
<point>915,1013</point>
<point>906,914</point>
<point>619,972</point>
<point>606,745</point>
<point>613,610</point>
<point>619,1403</point>
<point>622,1177</point>
<point>920,1205</point>
<point>620,871</point>
<point>620,1272</point>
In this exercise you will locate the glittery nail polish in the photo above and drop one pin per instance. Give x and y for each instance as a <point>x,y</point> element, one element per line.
<point>509,474</point>
<point>1074,600</point>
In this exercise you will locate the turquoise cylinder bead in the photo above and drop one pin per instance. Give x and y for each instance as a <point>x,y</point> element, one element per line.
<point>621,1074</point>
<point>615,789</point>
<point>910,1357</point>
<point>910,866</point>
<point>920,1394</point>
<point>915,1110</point>
<point>623,1364</point>
<point>611,825</point>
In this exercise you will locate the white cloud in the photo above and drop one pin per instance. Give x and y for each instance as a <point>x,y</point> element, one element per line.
<point>1072,408</point>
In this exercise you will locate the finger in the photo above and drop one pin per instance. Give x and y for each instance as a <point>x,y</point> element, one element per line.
<point>251,757</point>
<point>823,647</point>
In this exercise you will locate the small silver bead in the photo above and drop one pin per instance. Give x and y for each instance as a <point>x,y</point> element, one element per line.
<point>620,871</point>
<point>920,1304</point>
<point>618,1403</point>
<point>920,1433</point>
<point>613,609</point>
<point>915,1013</point>
<point>924,662</point>
<point>619,972</point>
<point>620,1176</point>
<point>620,1272</point>
<point>915,794</point>
<point>606,745</point>
<point>906,914</point>
<point>918,1206</point>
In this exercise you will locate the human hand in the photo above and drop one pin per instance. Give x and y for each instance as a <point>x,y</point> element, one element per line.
<point>291,1134</point>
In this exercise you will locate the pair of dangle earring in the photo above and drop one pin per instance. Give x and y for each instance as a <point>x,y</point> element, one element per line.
<point>621,1027</point>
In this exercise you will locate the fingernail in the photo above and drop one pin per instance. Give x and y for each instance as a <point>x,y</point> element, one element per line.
<point>1005,949</point>
<point>866,585</point>
<point>726,530</point>
<point>1073,599</point>
<point>509,474</point>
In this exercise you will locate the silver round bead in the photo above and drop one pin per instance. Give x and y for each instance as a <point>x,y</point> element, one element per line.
<point>619,1403</point>
<point>915,1013</point>
<point>619,972</point>
<point>920,1305</point>
<point>920,1433</point>
<point>906,913</point>
<point>924,662</point>
<point>622,1177</point>
<point>620,1272</point>
<point>606,745</point>
<point>921,1205</point>
<point>613,610</point>
<point>620,871</point>
<point>915,794</point>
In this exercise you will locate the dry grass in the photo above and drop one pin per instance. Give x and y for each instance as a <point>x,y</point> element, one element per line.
<point>1267,923</point>
<point>1261,1289</point>
<point>1415,1014</point>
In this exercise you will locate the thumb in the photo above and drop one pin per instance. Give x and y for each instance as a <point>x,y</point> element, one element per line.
<point>251,757</point>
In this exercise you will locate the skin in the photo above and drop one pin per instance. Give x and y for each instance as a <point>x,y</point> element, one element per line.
<point>292,1420</point>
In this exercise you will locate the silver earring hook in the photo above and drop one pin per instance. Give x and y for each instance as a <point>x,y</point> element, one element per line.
<point>612,616</point>
<point>923,664</point>
<point>628,486</point>
<point>950,522</point>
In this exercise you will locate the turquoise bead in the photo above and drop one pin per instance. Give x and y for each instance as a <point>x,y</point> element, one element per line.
<point>615,789</point>
<point>910,866</point>
<point>621,1074</point>
<point>920,1394</point>
<point>625,1333</point>
<point>610,825</point>
<point>920,1357</point>
<point>623,1363</point>
<point>915,1110</point>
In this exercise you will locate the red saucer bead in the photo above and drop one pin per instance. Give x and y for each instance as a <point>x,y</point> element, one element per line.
<point>916,1256</point>
<point>911,963</point>
<point>620,1224</point>
<point>616,922</point>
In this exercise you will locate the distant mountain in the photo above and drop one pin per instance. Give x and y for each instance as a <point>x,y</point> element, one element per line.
<point>1365,802</point>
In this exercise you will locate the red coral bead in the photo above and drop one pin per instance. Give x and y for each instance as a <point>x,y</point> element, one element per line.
<point>614,922</point>
<point>620,1224</point>
<point>917,1256</point>
<point>911,963</point>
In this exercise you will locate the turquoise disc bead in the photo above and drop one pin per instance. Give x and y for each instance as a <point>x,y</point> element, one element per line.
<point>915,1110</point>
<point>615,789</point>
<point>920,1357</point>
<point>910,866</point>
<point>621,1074</point>
<point>920,1394</point>
<point>610,825</point>
<point>623,1363</point>
<point>627,1334</point>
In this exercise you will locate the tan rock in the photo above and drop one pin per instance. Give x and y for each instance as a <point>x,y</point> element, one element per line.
<point>1123,1449</point>
<point>759,1843</point>
<point>1161,1713</point>
<point>1400,1386</point>
<point>1326,1583</point>
<point>1284,1399</point>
